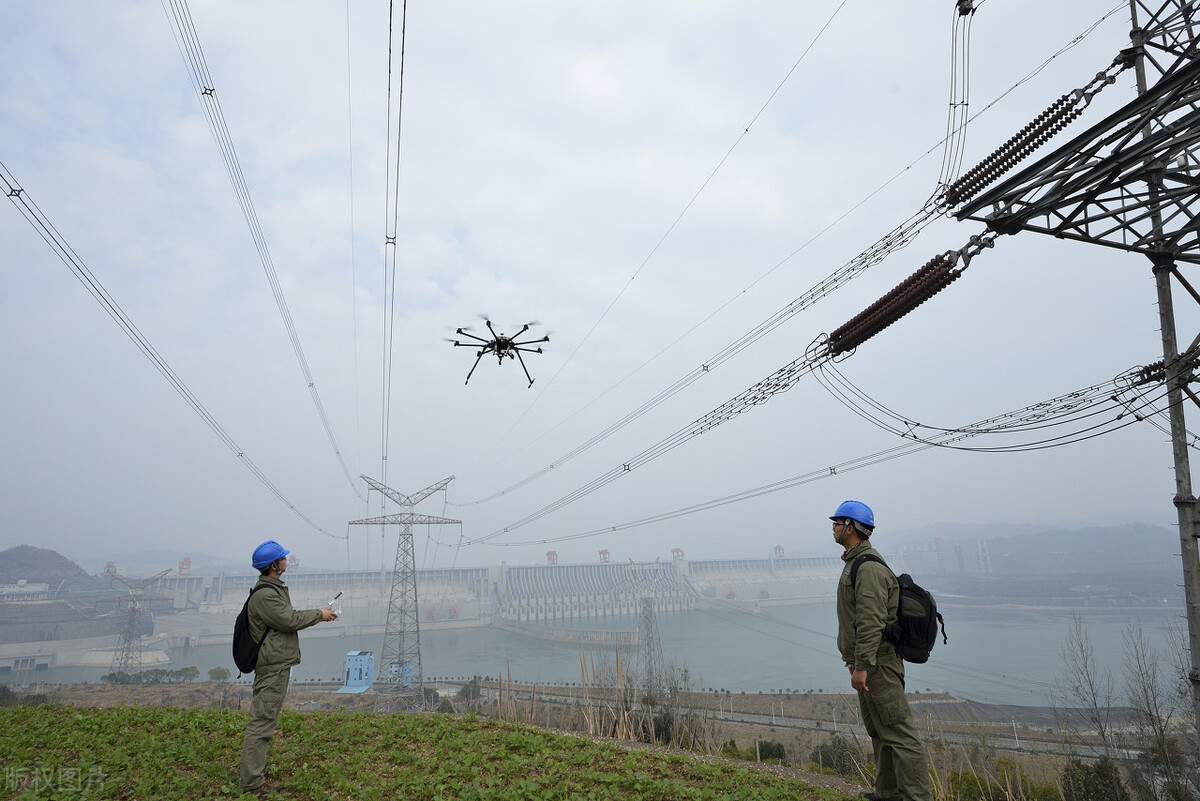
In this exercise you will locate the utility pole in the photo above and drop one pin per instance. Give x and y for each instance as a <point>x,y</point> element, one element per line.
<point>400,684</point>
<point>1129,182</point>
<point>1178,377</point>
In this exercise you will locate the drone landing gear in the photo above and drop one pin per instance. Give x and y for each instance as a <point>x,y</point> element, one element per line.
<point>501,345</point>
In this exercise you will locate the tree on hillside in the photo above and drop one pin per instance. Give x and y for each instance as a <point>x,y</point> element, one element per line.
<point>472,692</point>
<point>1087,686</point>
<point>1093,781</point>
<point>1164,760</point>
<point>1160,774</point>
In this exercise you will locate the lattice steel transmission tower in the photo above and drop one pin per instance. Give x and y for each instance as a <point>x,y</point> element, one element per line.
<point>651,671</point>
<point>127,658</point>
<point>400,684</point>
<point>1132,182</point>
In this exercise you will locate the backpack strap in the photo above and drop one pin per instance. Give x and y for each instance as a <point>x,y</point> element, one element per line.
<point>255,589</point>
<point>866,557</point>
<point>891,633</point>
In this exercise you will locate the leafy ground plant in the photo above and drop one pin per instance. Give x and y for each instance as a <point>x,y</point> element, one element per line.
<point>54,751</point>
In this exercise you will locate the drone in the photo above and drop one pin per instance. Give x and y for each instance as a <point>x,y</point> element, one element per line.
<point>501,345</point>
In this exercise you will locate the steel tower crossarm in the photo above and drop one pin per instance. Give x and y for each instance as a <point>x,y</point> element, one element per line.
<point>400,497</point>
<point>403,519</point>
<point>1097,187</point>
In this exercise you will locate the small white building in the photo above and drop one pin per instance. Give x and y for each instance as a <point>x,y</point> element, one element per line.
<point>360,668</point>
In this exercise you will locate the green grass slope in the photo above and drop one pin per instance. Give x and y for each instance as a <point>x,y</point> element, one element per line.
<point>53,751</point>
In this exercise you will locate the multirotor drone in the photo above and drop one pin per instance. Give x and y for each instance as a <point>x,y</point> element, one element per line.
<point>501,345</point>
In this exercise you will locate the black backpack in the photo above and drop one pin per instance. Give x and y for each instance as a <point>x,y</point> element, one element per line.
<point>245,649</point>
<point>916,628</point>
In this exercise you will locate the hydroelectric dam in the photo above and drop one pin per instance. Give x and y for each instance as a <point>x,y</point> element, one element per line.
<point>544,593</point>
<point>556,601</point>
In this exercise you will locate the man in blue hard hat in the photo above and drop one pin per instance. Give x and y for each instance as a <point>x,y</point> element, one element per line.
<point>868,597</point>
<point>275,624</point>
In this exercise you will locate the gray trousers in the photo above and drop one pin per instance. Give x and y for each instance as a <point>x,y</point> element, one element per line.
<point>265,705</point>
<point>900,765</point>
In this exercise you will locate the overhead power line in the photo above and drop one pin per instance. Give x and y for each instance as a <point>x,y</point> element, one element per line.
<point>79,269</point>
<point>909,294</point>
<point>745,131</point>
<point>391,226</point>
<point>1063,111</point>
<point>930,279</point>
<point>1133,396</point>
<point>193,56</point>
<point>353,226</point>
<point>960,95</point>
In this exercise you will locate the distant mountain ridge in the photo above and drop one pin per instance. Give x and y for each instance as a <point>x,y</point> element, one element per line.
<point>1133,547</point>
<point>37,566</point>
<point>1131,565</point>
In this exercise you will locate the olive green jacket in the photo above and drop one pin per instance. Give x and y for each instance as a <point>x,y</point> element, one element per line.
<point>273,610</point>
<point>863,611</point>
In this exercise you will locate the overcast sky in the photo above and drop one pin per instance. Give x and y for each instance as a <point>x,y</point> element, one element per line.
<point>547,151</point>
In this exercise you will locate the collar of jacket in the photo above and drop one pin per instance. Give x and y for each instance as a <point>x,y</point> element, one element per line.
<point>854,552</point>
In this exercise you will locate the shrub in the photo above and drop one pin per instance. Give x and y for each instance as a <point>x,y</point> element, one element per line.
<point>839,755</point>
<point>10,698</point>
<point>1012,783</point>
<point>1097,781</point>
<point>771,751</point>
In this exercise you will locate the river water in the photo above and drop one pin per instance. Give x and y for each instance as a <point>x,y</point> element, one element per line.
<point>1004,656</point>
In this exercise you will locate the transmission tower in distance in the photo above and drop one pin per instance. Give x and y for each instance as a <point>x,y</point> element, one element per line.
<point>651,671</point>
<point>127,658</point>
<point>400,684</point>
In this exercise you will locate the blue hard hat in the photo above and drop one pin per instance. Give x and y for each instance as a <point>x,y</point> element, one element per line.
<point>856,511</point>
<point>267,553</point>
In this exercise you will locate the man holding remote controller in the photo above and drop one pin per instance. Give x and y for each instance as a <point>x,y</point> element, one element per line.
<point>271,616</point>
